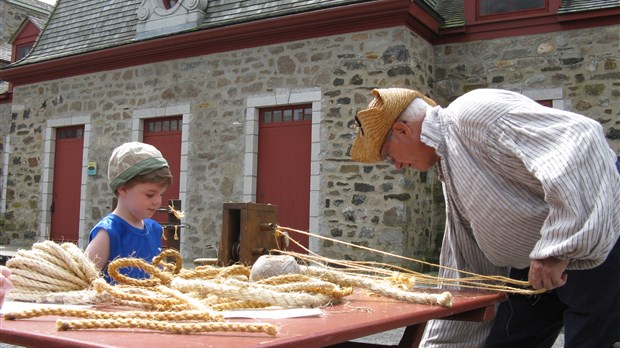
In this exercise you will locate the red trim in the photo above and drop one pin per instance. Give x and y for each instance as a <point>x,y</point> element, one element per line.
<point>529,26</point>
<point>424,17</point>
<point>6,98</point>
<point>554,5</point>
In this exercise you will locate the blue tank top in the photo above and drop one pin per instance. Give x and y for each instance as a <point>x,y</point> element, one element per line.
<point>128,241</point>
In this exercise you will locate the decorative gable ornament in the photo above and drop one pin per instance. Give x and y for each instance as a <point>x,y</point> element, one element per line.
<point>161,17</point>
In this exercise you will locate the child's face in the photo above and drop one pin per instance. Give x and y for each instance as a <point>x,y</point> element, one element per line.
<point>142,200</point>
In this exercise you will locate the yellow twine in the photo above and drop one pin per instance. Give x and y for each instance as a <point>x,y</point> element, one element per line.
<point>178,214</point>
<point>475,281</point>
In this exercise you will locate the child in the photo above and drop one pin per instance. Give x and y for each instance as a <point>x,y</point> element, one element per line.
<point>138,175</point>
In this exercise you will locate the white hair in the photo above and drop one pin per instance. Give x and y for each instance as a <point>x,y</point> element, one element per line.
<point>415,111</point>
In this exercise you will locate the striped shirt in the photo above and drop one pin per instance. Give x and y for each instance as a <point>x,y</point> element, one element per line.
<point>521,182</point>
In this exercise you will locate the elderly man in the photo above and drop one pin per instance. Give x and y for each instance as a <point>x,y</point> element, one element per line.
<point>531,192</point>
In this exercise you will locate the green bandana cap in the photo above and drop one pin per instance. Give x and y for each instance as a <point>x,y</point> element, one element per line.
<point>132,159</point>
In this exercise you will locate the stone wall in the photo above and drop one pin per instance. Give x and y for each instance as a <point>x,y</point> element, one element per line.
<point>581,65</point>
<point>367,205</point>
<point>11,16</point>
<point>5,126</point>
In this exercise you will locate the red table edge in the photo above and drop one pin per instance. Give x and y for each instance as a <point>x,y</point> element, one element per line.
<point>411,337</point>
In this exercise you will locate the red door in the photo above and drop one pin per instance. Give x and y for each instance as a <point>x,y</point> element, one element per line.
<point>283,179</point>
<point>65,207</point>
<point>546,102</point>
<point>165,134</point>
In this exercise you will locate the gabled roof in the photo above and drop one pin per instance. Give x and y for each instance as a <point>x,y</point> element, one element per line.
<point>78,26</point>
<point>37,22</point>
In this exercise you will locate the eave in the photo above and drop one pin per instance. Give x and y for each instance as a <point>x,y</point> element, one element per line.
<point>529,26</point>
<point>338,20</point>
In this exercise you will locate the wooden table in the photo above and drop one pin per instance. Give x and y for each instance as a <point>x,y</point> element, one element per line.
<point>361,316</point>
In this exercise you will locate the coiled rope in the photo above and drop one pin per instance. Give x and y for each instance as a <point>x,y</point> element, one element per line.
<point>164,309</point>
<point>172,297</point>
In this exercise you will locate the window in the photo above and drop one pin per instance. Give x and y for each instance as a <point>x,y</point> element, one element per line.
<point>162,125</point>
<point>545,102</point>
<point>23,50</point>
<point>286,114</point>
<point>76,132</point>
<point>494,7</point>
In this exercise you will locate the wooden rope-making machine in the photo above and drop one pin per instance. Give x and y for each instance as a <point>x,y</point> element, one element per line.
<point>247,233</point>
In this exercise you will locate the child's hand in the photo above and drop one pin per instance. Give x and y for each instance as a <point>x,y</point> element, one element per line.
<point>5,283</point>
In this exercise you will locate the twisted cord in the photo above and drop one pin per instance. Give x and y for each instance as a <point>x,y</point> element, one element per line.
<point>92,314</point>
<point>176,328</point>
<point>239,304</point>
<point>86,266</point>
<point>49,268</point>
<point>178,261</point>
<point>157,276</point>
<point>27,262</point>
<point>443,299</point>
<point>247,291</point>
<point>319,287</point>
<point>149,301</point>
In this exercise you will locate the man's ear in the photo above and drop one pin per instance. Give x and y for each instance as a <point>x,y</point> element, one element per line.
<point>400,127</point>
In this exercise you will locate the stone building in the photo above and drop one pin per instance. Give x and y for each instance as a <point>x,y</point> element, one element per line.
<point>13,13</point>
<point>16,17</point>
<point>222,72</point>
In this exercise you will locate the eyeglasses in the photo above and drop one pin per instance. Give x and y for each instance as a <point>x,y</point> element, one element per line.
<point>385,154</point>
<point>359,125</point>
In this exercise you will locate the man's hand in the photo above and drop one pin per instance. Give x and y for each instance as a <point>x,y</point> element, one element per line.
<point>548,273</point>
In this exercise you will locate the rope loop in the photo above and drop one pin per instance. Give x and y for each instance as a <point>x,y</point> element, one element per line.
<point>157,276</point>
<point>178,260</point>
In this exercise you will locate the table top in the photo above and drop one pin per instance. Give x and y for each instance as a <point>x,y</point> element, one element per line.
<point>360,315</point>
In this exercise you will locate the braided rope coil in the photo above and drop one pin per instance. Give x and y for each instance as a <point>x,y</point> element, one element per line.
<point>172,298</point>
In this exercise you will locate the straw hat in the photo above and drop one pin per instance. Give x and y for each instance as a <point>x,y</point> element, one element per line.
<point>374,123</point>
<point>132,159</point>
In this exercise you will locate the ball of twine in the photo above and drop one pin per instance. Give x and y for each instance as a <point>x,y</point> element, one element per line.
<point>268,266</point>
